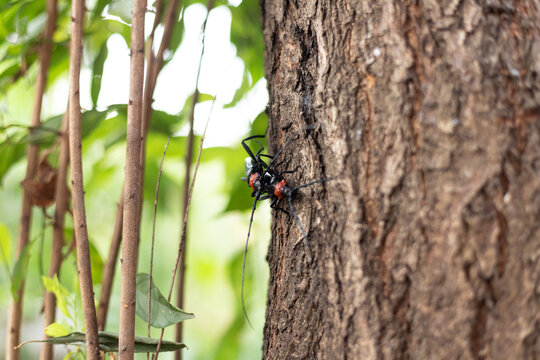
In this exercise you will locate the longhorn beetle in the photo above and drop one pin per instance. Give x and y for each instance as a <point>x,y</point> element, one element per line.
<point>268,183</point>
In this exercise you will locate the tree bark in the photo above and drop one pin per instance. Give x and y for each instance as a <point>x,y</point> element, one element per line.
<point>427,244</point>
<point>84,268</point>
<point>132,194</point>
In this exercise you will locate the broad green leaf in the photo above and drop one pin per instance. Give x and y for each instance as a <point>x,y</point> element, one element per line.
<point>122,9</point>
<point>55,330</point>
<point>97,73</point>
<point>96,263</point>
<point>59,61</point>
<point>244,88</point>
<point>111,130</point>
<point>98,9</point>
<point>19,270</point>
<point>240,197</point>
<point>239,192</point>
<point>44,134</point>
<point>118,27</point>
<point>233,159</point>
<point>53,285</point>
<point>47,132</point>
<point>177,35</point>
<point>164,123</point>
<point>177,148</point>
<point>246,34</point>
<point>5,244</point>
<point>162,313</point>
<point>5,247</point>
<point>108,341</point>
<point>259,125</point>
<point>90,120</point>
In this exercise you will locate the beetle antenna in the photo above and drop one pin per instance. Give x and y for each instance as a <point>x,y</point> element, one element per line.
<point>257,196</point>
<point>298,223</point>
<point>313,183</point>
<point>291,138</point>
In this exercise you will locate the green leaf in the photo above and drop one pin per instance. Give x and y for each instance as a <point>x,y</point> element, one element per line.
<point>59,62</point>
<point>44,134</point>
<point>233,158</point>
<point>5,244</point>
<point>176,38</point>
<point>19,270</point>
<point>61,293</point>
<point>98,9</point>
<point>108,341</point>
<point>111,130</point>
<point>97,73</point>
<point>162,313</point>
<point>205,97</point>
<point>55,329</point>
<point>122,9</point>
<point>164,123</point>
<point>240,198</point>
<point>242,90</point>
<point>259,125</point>
<point>96,262</point>
<point>5,248</point>
<point>91,120</point>
<point>246,34</point>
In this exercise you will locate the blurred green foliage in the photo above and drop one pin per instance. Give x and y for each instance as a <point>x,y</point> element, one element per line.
<point>221,202</point>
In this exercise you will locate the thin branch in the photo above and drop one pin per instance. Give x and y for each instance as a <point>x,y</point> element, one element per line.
<point>15,309</point>
<point>182,244</point>
<point>154,233</point>
<point>110,265</point>
<point>77,186</point>
<point>132,194</point>
<point>62,203</point>
<point>171,17</point>
<point>151,76</point>
<point>154,65</point>
<point>31,128</point>
<point>188,160</point>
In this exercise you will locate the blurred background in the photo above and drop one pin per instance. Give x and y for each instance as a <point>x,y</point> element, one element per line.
<point>232,71</point>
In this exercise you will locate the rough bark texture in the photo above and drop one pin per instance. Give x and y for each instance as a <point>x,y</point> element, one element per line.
<point>427,246</point>
<point>132,194</point>
<point>77,182</point>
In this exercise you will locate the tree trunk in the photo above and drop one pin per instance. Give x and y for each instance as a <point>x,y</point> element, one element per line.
<point>427,244</point>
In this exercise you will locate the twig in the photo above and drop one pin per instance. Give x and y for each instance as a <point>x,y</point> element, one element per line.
<point>188,159</point>
<point>132,197</point>
<point>154,65</point>
<point>77,186</point>
<point>61,201</point>
<point>152,72</point>
<point>31,128</point>
<point>15,308</point>
<point>154,233</point>
<point>181,246</point>
<point>110,265</point>
<point>72,245</point>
